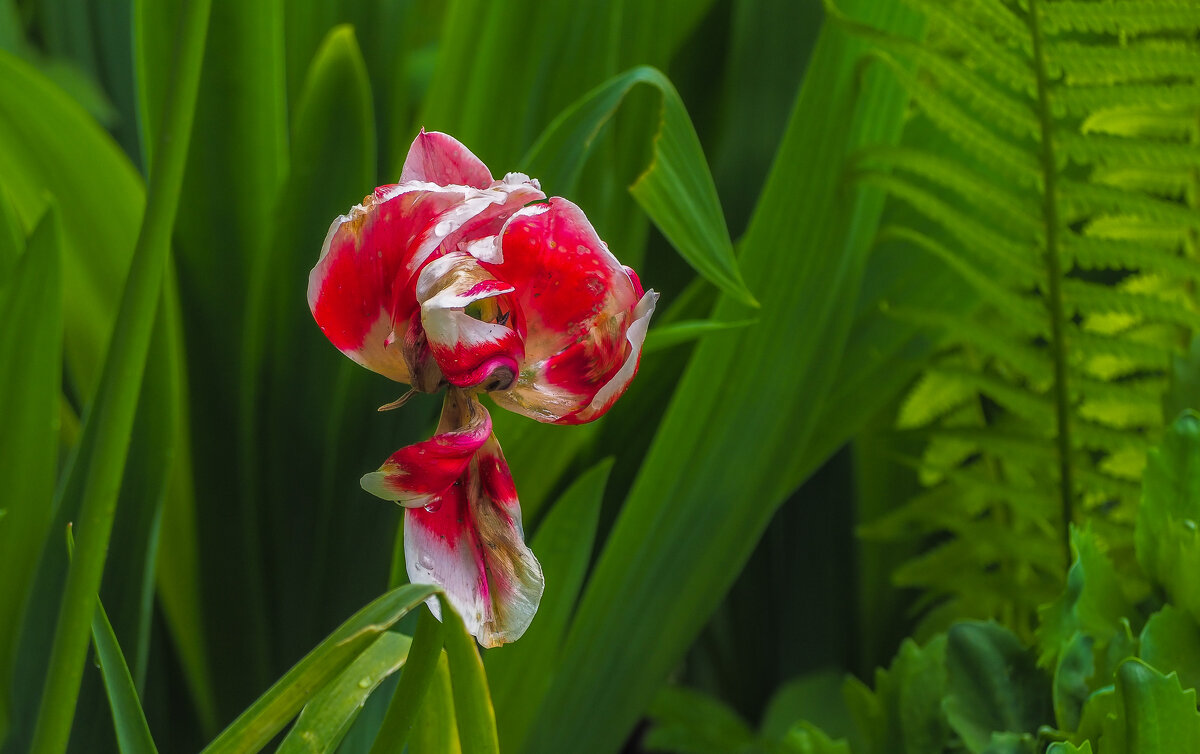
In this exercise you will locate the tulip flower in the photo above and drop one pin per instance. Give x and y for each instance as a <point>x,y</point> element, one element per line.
<point>452,279</point>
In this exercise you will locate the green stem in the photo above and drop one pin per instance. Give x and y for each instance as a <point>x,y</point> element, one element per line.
<point>411,690</point>
<point>111,418</point>
<point>1054,301</point>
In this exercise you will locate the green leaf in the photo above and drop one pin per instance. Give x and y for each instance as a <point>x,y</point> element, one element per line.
<point>435,731</point>
<point>110,420</point>
<point>1170,642</point>
<point>814,697</point>
<point>1076,664</point>
<point>904,712</point>
<point>685,530</point>
<point>1166,535</point>
<point>327,717</point>
<point>806,738</point>
<point>410,692</point>
<point>691,722</point>
<point>1184,390</point>
<point>994,685</point>
<point>12,237</point>
<point>673,334</point>
<point>278,704</point>
<point>49,145</point>
<point>30,379</point>
<point>520,673</point>
<point>129,722</point>
<point>1152,713</point>
<point>1066,747</point>
<point>676,189</point>
<point>1011,743</point>
<point>472,702</point>
<point>1092,603</point>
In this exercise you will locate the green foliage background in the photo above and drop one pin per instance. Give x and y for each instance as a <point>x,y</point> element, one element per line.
<point>928,273</point>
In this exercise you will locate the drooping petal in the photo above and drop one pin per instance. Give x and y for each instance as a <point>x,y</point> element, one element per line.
<point>361,291</point>
<point>470,543</point>
<point>417,475</point>
<point>578,305</point>
<point>468,322</point>
<point>439,158</point>
<point>608,394</point>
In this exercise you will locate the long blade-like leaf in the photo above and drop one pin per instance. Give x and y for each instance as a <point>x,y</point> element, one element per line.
<point>30,375</point>
<point>676,189</point>
<point>111,419</point>
<point>472,703</point>
<point>325,720</point>
<point>411,690</point>
<point>280,703</point>
<point>708,488</point>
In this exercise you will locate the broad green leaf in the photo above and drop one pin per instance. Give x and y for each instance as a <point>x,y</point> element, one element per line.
<point>1166,536</point>
<point>1066,747</point>
<point>1170,642</point>
<point>815,697</point>
<point>725,457</point>
<point>806,738</point>
<point>993,685</point>
<point>520,673</point>
<point>435,731</point>
<point>327,717</point>
<point>472,703</point>
<point>904,712</point>
<point>267,716</point>
<point>1092,602</point>
<point>111,418</point>
<point>414,683</point>
<point>1076,665</point>
<point>1012,743</point>
<point>1152,713</point>
<point>676,188</point>
<point>30,379</point>
<point>1099,706</point>
<point>49,145</point>
<point>129,722</point>
<point>675,333</point>
<point>235,165</point>
<point>689,721</point>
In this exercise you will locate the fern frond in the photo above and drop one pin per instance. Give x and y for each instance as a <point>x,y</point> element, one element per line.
<point>1008,67</point>
<point>1082,199</point>
<point>1121,16</point>
<point>964,129</point>
<point>1015,260</point>
<point>1081,101</point>
<point>1069,202</point>
<point>1116,151</point>
<point>1093,64</point>
<point>1090,298</point>
<point>989,341</point>
<point>1008,209</point>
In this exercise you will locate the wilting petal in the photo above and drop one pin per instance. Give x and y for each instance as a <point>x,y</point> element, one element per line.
<point>417,475</point>
<point>469,322</point>
<point>608,394</point>
<point>438,158</point>
<point>471,544</point>
<point>578,308</point>
<point>361,291</point>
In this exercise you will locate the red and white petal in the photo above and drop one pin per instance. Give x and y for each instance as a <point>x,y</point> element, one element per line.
<point>468,322</point>
<point>577,303</point>
<point>361,290</point>
<point>418,474</point>
<point>607,395</point>
<point>439,158</point>
<point>471,544</point>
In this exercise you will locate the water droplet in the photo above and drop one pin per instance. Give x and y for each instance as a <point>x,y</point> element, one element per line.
<point>443,228</point>
<point>365,683</point>
<point>425,561</point>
